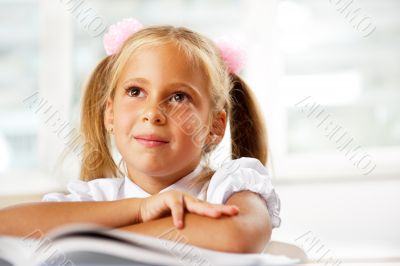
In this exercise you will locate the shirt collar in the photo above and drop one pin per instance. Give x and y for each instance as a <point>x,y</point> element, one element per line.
<point>131,189</point>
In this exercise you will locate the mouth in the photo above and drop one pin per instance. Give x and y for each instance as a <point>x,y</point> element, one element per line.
<point>151,140</point>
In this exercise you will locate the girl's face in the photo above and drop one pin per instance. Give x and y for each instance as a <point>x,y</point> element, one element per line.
<point>158,96</point>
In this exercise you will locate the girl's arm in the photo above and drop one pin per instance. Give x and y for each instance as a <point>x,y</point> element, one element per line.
<point>247,232</point>
<point>24,219</point>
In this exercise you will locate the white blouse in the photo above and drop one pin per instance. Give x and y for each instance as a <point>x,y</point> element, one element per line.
<point>245,173</point>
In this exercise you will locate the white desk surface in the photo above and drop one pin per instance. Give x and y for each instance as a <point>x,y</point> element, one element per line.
<point>375,263</point>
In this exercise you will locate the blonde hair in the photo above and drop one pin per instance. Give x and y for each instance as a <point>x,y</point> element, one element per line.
<point>227,92</point>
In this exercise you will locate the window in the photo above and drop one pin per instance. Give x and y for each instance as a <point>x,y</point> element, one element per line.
<point>338,90</point>
<point>18,69</point>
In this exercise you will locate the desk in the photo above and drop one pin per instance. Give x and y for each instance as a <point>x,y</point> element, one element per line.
<point>375,263</point>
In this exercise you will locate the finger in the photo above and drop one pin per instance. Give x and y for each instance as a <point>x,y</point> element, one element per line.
<point>177,210</point>
<point>203,208</point>
<point>225,209</point>
<point>229,209</point>
<point>212,210</point>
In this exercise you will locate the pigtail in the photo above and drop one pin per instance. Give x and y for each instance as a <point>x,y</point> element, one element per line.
<point>247,127</point>
<point>97,161</point>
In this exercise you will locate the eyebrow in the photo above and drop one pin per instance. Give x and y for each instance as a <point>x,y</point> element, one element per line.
<point>179,83</point>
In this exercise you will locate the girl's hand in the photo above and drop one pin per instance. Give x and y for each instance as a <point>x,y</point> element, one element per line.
<point>175,202</point>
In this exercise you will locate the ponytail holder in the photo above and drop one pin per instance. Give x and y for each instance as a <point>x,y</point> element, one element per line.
<point>118,33</point>
<point>233,54</point>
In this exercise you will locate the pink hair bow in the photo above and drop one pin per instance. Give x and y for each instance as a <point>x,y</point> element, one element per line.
<point>118,33</point>
<point>233,54</point>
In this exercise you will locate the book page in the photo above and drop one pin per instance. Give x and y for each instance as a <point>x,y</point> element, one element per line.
<point>85,242</point>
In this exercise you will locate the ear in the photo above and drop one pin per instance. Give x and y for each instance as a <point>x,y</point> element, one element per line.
<point>217,131</point>
<point>109,114</point>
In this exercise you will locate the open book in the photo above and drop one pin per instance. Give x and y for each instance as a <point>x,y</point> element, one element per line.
<point>87,244</point>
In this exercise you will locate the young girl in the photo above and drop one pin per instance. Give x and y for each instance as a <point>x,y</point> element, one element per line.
<point>131,101</point>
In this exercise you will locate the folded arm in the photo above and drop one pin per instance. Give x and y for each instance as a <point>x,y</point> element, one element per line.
<point>247,232</point>
<point>24,219</point>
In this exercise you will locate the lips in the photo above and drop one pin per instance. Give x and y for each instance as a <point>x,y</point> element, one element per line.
<point>151,141</point>
<point>151,137</point>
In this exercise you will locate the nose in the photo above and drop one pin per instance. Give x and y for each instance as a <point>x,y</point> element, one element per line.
<point>154,115</point>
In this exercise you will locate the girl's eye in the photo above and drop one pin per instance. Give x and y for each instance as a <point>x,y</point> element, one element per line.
<point>179,96</point>
<point>133,91</point>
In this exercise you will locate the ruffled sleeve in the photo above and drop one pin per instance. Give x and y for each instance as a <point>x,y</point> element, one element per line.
<point>102,189</point>
<point>245,173</point>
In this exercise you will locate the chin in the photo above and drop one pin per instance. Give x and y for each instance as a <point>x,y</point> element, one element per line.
<point>150,167</point>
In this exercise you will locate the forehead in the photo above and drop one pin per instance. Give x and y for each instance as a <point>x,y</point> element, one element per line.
<point>163,63</point>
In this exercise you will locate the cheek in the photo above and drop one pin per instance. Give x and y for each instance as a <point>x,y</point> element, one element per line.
<point>125,116</point>
<point>191,127</point>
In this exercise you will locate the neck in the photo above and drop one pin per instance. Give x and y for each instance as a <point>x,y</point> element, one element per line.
<point>154,184</point>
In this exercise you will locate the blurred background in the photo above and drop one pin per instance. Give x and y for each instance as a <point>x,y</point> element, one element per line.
<point>326,74</point>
